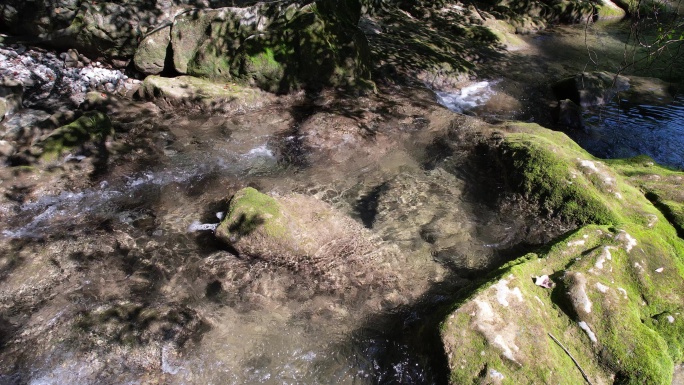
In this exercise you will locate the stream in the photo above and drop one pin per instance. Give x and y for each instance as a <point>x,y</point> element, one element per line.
<point>133,288</point>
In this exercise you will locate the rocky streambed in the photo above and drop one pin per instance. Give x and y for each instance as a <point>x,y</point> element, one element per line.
<point>183,229</point>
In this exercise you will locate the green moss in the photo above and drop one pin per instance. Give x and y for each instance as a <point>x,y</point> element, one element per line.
<point>630,271</point>
<point>250,210</point>
<point>91,127</point>
<point>545,171</point>
<point>266,71</point>
<point>610,11</point>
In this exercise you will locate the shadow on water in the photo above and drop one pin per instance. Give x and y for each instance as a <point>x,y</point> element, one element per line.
<point>367,206</point>
<point>405,346</point>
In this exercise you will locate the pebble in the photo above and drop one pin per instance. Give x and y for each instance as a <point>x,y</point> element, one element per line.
<point>69,73</point>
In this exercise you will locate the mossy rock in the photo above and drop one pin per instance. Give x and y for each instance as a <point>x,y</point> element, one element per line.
<point>305,235</point>
<point>150,56</point>
<point>104,29</point>
<point>93,127</point>
<point>554,172</point>
<point>203,94</point>
<point>608,10</point>
<point>277,48</point>
<point>616,306</point>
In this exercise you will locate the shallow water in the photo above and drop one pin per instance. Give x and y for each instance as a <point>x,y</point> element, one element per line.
<point>522,91</point>
<point>264,324</point>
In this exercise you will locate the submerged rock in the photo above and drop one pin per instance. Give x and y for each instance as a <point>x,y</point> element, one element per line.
<point>91,128</point>
<point>590,89</point>
<point>307,236</point>
<point>617,305</point>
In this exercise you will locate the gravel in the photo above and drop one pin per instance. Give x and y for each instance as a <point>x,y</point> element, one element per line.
<point>53,82</point>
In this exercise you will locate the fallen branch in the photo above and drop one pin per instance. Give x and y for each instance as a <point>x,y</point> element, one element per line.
<point>572,358</point>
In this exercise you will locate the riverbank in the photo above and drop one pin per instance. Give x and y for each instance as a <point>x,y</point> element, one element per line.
<point>111,272</point>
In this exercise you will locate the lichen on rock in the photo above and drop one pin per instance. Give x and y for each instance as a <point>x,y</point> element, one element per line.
<point>617,303</point>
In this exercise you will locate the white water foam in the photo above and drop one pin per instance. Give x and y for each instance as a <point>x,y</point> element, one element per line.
<point>467,98</point>
<point>260,152</point>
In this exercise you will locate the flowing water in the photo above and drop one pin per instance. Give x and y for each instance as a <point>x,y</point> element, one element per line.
<point>519,88</point>
<point>133,288</point>
<point>133,282</point>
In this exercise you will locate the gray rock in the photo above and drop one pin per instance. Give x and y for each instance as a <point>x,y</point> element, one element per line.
<point>196,93</point>
<point>591,88</point>
<point>10,100</point>
<point>569,114</point>
<point>71,59</point>
<point>151,53</point>
<point>277,48</point>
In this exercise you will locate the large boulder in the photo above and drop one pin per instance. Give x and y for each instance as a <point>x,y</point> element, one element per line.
<point>277,48</point>
<point>37,18</point>
<point>590,89</point>
<point>307,236</point>
<point>150,57</point>
<point>107,29</point>
<point>603,302</point>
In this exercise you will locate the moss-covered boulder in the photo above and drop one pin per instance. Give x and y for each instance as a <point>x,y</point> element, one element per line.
<point>275,47</point>
<point>202,94</point>
<point>606,301</point>
<point>307,236</point>
<point>608,10</point>
<point>37,18</point>
<point>105,28</point>
<point>92,128</point>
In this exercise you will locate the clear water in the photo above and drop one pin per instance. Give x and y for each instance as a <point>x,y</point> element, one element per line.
<point>622,130</point>
<point>263,324</point>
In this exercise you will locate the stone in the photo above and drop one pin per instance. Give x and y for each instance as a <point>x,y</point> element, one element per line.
<point>274,47</point>
<point>305,235</point>
<point>10,100</point>
<point>6,148</point>
<point>608,10</point>
<point>92,127</point>
<point>71,59</point>
<point>205,95</point>
<point>150,57</point>
<point>104,28</point>
<point>613,311</point>
<point>590,89</point>
<point>569,114</point>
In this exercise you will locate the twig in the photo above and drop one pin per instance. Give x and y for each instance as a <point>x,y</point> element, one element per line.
<point>572,358</point>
